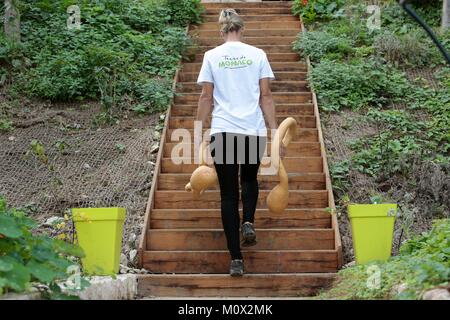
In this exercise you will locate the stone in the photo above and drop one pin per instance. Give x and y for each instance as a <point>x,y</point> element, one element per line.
<point>123,287</point>
<point>132,255</point>
<point>123,259</point>
<point>437,294</point>
<point>53,221</point>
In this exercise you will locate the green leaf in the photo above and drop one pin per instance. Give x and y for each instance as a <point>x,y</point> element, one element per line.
<point>17,278</point>
<point>5,265</point>
<point>9,227</point>
<point>41,271</point>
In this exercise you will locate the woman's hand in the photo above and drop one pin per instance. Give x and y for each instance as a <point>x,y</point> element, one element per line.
<point>282,151</point>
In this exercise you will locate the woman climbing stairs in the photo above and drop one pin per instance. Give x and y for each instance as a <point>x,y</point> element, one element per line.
<point>183,242</point>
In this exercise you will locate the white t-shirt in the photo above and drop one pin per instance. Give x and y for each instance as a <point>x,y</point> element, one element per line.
<point>235,69</point>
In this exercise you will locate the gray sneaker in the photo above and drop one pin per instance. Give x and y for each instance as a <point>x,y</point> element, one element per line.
<point>248,235</point>
<point>237,268</point>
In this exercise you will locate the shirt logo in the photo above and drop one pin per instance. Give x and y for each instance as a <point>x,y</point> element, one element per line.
<point>228,62</point>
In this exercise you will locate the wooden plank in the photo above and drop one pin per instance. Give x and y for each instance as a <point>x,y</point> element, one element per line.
<point>214,239</point>
<point>278,97</point>
<point>297,181</point>
<point>295,149</point>
<point>252,11</point>
<point>276,66</point>
<point>211,199</point>
<point>214,33</point>
<point>188,122</point>
<point>331,203</point>
<point>211,218</point>
<point>238,4</point>
<point>306,109</point>
<point>157,169</point>
<point>277,18</point>
<point>276,86</point>
<point>254,285</point>
<point>292,165</point>
<point>303,135</point>
<point>279,75</point>
<point>279,261</point>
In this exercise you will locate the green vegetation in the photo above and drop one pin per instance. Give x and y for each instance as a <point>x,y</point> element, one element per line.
<point>27,259</point>
<point>365,70</point>
<point>311,10</point>
<point>125,52</point>
<point>423,263</point>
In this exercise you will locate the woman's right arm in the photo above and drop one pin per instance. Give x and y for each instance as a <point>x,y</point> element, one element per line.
<point>205,103</point>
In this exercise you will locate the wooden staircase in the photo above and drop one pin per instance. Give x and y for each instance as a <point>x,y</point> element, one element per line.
<point>183,243</point>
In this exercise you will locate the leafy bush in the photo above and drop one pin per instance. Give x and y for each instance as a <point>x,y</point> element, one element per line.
<point>318,45</point>
<point>185,11</point>
<point>311,10</point>
<point>120,46</point>
<point>355,84</point>
<point>410,49</point>
<point>25,258</point>
<point>423,263</point>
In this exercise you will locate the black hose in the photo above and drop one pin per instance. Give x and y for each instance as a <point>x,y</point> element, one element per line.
<point>407,7</point>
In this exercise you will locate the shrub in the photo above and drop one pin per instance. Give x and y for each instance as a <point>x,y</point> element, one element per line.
<point>410,49</point>
<point>355,84</point>
<point>121,44</point>
<point>311,10</point>
<point>423,263</point>
<point>317,45</point>
<point>26,258</point>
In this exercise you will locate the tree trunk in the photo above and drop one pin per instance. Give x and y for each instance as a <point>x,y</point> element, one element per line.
<point>446,15</point>
<point>12,20</point>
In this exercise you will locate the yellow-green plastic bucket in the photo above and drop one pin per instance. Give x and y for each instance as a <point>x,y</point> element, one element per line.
<point>372,231</point>
<point>99,234</point>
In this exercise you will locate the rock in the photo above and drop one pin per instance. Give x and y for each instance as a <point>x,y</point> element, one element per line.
<point>124,287</point>
<point>132,238</point>
<point>399,288</point>
<point>12,138</point>
<point>53,221</point>
<point>86,166</point>
<point>123,259</point>
<point>132,255</point>
<point>437,294</point>
<point>154,148</point>
<point>350,264</point>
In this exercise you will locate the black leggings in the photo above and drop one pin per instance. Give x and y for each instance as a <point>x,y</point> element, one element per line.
<point>232,152</point>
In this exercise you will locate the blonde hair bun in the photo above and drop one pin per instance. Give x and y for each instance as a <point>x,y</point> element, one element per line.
<point>230,21</point>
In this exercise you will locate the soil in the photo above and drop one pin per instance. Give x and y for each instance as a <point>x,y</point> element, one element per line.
<point>82,165</point>
<point>422,195</point>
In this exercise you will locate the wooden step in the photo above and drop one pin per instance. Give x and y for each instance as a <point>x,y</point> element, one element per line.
<point>239,4</point>
<point>295,149</point>
<point>276,86</point>
<point>214,239</point>
<point>261,25</point>
<point>276,66</point>
<point>277,18</point>
<point>190,110</point>
<point>297,181</point>
<point>281,40</point>
<point>211,218</point>
<point>222,285</point>
<point>250,11</point>
<point>292,165</point>
<point>205,33</point>
<point>262,261</point>
<point>211,199</point>
<point>268,49</point>
<point>189,122</point>
<point>303,135</point>
<point>278,97</point>
<point>279,76</point>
